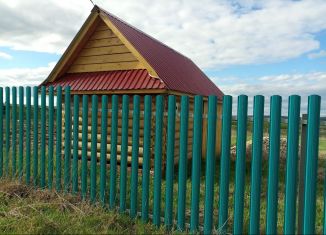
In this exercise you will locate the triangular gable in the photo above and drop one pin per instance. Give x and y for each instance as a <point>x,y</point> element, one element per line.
<point>99,46</point>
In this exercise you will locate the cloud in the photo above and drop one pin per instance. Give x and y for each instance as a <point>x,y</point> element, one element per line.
<point>24,76</point>
<point>215,34</point>
<point>283,85</point>
<point>5,56</point>
<point>316,55</point>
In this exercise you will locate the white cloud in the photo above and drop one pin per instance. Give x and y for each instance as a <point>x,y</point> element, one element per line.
<point>283,85</point>
<point>5,56</point>
<point>214,34</point>
<point>316,55</point>
<point>24,76</point>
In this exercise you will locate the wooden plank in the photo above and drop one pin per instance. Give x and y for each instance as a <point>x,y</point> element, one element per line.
<point>125,57</point>
<point>105,67</point>
<point>102,34</point>
<point>114,41</point>
<point>104,50</point>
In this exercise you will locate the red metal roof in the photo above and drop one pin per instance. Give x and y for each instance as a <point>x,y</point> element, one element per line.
<point>110,80</point>
<point>178,72</point>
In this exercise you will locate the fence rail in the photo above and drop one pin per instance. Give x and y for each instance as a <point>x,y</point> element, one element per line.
<point>203,199</point>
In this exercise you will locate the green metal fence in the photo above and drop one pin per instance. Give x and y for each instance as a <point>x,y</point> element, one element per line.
<point>196,194</point>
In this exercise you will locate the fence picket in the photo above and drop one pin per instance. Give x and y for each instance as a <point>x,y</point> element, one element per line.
<point>67,158</point>
<point>210,164</point>
<point>146,157</point>
<point>183,153</point>
<point>240,164</point>
<point>103,160</point>
<point>28,135</point>
<point>273,164</point>
<point>14,132</point>
<point>256,161</point>
<point>309,213</point>
<point>21,133</point>
<point>1,132</point>
<point>93,148</point>
<point>43,135</point>
<point>75,146</point>
<point>7,131</point>
<point>291,164</point>
<point>225,164</point>
<point>84,147</point>
<point>134,157</point>
<point>58,139</point>
<point>196,162</point>
<point>35,137</point>
<point>51,139</point>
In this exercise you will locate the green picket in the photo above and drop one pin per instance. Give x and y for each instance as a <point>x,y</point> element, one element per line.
<point>210,164</point>
<point>7,131</point>
<point>67,158</point>
<point>75,145</point>
<point>170,162</point>
<point>256,161</point>
<point>113,155</point>
<point>158,161</point>
<point>43,135</point>
<point>58,139</point>
<point>183,153</point>
<point>225,164</point>
<point>21,133</point>
<point>104,141</point>
<point>273,163</point>
<point>93,148</point>
<point>240,164</point>
<point>124,152</point>
<point>35,137</point>
<point>134,157</point>
<point>196,162</point>
<point>28,135</point>
<point>84,147</point>
<point>14,131</point>
<point>291,164</point>
<point>309,212</point>
<point>1,131</point>
<point>51,139</point>
<point>146,157</point>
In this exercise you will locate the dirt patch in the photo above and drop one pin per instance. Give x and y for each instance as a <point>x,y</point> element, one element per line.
<point>14,190</point>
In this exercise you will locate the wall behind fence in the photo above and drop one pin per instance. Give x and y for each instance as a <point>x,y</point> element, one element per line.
<point>92,145</point>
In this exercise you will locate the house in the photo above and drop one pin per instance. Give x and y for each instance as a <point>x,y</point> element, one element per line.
<point>109,56</point>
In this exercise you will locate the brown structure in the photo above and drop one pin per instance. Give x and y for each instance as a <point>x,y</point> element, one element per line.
<point>109,56</point>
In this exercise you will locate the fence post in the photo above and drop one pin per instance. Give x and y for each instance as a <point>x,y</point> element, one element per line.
<point>292,164</point>
<point>93,148</point>
<point>158,161</point>
<point>14,131</point>
<point>1,131</point>
<point>170,162</point>
<point>183,153</point>
<point>75,145</point>
<point>51,139</point>
<point>113,152</point>
<point>21,132</point>
<point>43,135</point>
<point>104,136</point>
<point>273,164</point>
<point>35,138</point>
<point>196,162</point>
<point>210,164</point>
<point>7,131</point>
<point>257,142</point>
<point>28,135</point>
<point>84,147</point>
<point>302,165</point>
<point>67,158</point>
<point>146,156</point>
<point>311,164</point>
<point>58,139</point>
<point>240,164</point>
<point>134,157</point>
<point>225,164</point>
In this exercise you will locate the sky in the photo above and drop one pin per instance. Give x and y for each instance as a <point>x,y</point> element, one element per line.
<point>247,47</point>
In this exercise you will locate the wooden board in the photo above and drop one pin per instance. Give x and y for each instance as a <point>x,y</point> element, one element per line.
<point>105,67</point>
<point>104,50</point>
<point>102,59</point>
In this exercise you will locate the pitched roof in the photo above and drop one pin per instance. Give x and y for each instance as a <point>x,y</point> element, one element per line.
<point>177,72</point>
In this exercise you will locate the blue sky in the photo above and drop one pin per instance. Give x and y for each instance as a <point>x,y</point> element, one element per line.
<point>245,46</point>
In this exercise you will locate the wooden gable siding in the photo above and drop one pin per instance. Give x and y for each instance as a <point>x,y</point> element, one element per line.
<point>104,51</point>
